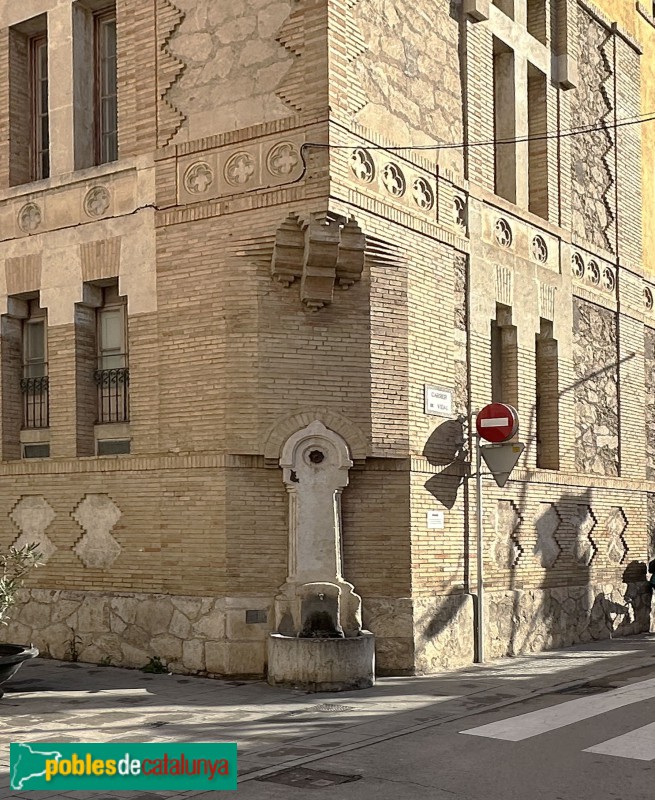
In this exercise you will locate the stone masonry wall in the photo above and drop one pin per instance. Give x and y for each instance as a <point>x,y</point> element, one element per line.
<point>595,391</point>
<point>593,152</point>
<point>409,72</point>
<point>232,65</point>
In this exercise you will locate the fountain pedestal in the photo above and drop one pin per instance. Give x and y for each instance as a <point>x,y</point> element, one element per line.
<point>319,643</point>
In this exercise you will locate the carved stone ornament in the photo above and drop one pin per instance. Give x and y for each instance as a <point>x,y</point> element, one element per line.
<point>97,201</point>
<point>325,252</point>
<point>539,249</point>
<point>423,194</point>
<point>594,273</point>
<point>283,159</point>
<point>648,299</point>
<point>239,169</point>
<point>609,281</point>
<point>362,165</point>
<point>503,233</point>
<point>198,178</point>
<point>577,266</point>
<point>29,218</point>
<point>459,212</point>
<point>394,180</point>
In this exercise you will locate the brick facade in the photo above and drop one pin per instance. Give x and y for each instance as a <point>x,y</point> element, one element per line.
<point>252,311</point>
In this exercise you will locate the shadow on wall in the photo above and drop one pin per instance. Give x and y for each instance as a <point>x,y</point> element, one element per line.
<point>446,449</point>
<point>552,615</point>
<point>562,609</point>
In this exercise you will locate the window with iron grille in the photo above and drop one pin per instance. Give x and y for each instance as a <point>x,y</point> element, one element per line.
<point>34,384</point>
<point>112,376</point>
<point>106,87</point>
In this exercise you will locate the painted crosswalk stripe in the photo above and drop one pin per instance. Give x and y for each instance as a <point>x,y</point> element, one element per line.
<point>638,744</point>
<point>515,729</point>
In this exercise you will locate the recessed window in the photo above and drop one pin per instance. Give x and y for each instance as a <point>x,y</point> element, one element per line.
<point>27,126</point>
<point>38,55</point>
<point>106,87</point>
<point>112,374</point>
<point>34,383</point>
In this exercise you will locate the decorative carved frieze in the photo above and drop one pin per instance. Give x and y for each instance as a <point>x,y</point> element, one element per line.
<point>593,273</point>
<point>395,182</point>
<point>233,169</point>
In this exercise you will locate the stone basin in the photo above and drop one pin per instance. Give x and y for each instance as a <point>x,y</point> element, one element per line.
<point>322,664</point>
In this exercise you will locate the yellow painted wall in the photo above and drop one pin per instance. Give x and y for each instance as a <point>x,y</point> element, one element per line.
<point>625,13</point>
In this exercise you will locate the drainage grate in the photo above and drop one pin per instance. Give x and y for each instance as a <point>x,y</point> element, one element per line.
<point>309,778</point>
<point>328,707</point>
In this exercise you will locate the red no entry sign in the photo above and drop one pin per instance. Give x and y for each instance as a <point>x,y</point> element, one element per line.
<point>497,422</point>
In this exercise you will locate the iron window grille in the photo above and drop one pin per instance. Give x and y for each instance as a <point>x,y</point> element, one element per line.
<point>35,393</point>
<point>113,394</point>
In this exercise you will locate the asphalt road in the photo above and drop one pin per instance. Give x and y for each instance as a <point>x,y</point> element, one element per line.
<point>537,749</point>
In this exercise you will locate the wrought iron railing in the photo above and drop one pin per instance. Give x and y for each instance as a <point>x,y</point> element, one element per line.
<point>35,402</point>
<point>113,394</point>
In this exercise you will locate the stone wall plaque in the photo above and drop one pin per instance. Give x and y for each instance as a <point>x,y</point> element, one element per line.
<point>438,401</point>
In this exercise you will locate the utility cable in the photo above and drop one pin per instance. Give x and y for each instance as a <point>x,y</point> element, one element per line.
<point>620,123</point>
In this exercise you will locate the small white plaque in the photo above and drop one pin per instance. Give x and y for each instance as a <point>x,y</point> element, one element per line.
<point>436,520</point>
<point>438,401</point>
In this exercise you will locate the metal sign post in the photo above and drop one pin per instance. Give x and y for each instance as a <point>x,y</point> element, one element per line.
<point>496,422</point>
<point>479,630</point>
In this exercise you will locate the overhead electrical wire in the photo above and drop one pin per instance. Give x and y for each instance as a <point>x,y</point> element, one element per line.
<point>638,119</point>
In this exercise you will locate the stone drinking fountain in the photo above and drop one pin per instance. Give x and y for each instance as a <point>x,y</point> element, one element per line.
<point>319,644</point>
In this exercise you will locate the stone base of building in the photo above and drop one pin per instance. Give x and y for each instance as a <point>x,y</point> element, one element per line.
<point>532,620</point>
<point>322,665</point>
<point>194,635</point>
<point>229,635</point>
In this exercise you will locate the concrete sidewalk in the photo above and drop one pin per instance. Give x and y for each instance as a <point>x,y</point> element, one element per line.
<point>276,729</point>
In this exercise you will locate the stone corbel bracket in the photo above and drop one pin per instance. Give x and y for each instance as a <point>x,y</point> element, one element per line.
<point>323,252</point>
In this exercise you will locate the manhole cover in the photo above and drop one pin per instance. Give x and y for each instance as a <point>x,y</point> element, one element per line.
<point>309,778</point>
<point>327,707</point>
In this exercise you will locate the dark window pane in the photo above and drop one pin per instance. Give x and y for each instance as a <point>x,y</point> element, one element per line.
<point>36,451</point>
<point>113,447</point>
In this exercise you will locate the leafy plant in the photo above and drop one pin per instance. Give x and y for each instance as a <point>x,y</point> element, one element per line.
<point>155,665</point>
<point>14,566</point>
<point>105,661</point>
<point>72,650</point>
